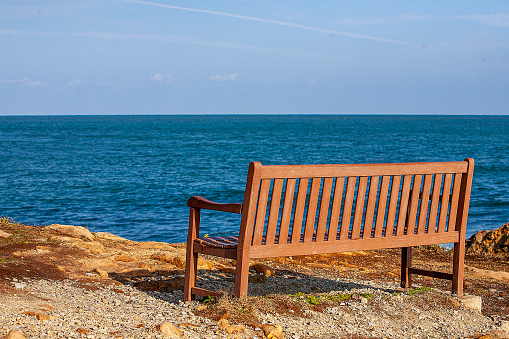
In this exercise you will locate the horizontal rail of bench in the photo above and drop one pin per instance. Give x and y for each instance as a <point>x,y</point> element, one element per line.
<point>360,170</point>
<point>428,273</point>
<point>323,247</point>
<point>203,292</point>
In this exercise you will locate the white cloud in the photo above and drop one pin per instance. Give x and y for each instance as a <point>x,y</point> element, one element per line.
<point>167,79</point>
<point>78,82</point>
<point>217,77</point>
<point>25,82</point>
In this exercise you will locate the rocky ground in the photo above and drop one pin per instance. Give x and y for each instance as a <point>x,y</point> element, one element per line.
<point>64,282</point>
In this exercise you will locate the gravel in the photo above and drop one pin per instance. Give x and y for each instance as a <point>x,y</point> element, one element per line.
<point>381,310</point>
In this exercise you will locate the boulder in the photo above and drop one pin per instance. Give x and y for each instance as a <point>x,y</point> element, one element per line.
<point>489,242</point>
<point>72,231</point>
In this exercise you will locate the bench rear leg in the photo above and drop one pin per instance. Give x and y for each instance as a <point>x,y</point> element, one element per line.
<point>458,268</point>
<point>406,263</point>
<point>241,276</point>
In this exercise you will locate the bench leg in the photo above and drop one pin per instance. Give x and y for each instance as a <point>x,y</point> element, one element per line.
<point>458,268</point>
<point>191,257</point>
<point>190,281</point>
<point>241,276</point>
<point>406,263</point>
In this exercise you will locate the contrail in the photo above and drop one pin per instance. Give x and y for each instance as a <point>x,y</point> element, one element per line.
<point>275,22</point>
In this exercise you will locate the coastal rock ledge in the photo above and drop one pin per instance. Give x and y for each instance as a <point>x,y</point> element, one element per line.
<point>489,242</point>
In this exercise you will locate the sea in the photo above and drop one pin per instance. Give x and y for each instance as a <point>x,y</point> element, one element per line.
<point>132,175</point>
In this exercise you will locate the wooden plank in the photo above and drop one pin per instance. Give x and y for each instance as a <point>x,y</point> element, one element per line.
<point>324,209</point>
<point>336,208</point>
<point>414,204</point>
<point>286,214</point>
<point>393,206</point>
<point>267,251</point>
<point>454,202</point>
<point>204,293</point>
<point>428,273</point>
<point>370,206</point>
<point>423,213</point>
<point>382,204</point>
<point>403,205</point>
<point>261,211</point>
<point>435,200</point>
<point>359,207</point>
<point>299,209</point>
<point>444,203</point>
<point>275,202</point>
<point>309,228</point>
<point>347,208</point>
<point>360,170</point>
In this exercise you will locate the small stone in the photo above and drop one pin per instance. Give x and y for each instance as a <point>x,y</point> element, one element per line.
<point>364,300</point>
<point>170,330</point>
<point>272,331</point>
<point>200,308</point>
<point>235,329</point>
<point>14,334</point>
<point>20,286</point>
<point>504,326</point>
<point>222,324</point>
<point>262,269</point>
<point>102,273</point>
<point>82,330</point>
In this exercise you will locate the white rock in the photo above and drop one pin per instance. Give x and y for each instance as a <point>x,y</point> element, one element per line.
<point>471,302</point>
<point>4,234</point>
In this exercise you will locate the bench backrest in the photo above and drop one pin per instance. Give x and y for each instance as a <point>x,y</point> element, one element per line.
<point>294,209</point>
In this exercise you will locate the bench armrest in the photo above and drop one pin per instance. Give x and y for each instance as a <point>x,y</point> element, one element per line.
<point>201,202</point>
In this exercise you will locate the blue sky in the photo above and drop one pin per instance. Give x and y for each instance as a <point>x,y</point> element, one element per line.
<point>180,57</point>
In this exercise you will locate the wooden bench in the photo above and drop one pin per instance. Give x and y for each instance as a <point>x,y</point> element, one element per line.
<point>295,210</point>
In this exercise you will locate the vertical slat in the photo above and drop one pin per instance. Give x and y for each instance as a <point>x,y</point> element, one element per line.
<point>444,204</point>
<point>403,205</point>
<point>286,214</point>
<point>370,207</point>
<point>324,209</point>
<point>260,212</point>
<point>393,206</point>
<point>414,203</point>
<point>299,209</point>
<point>309,229</point>
<point>275,202</point>
<point>454,202</point>
<point>435,199</point>
<point>382,204</point>
<point>347,208</point>
<point>423,213</point>
<point>336,209</point>
<point>359,207</point>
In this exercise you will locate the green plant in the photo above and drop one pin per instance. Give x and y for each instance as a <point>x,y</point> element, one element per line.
<point>208,299</point>
<point>417,290</point>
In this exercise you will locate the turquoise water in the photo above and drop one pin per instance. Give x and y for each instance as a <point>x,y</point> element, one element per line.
<point>132,175</point>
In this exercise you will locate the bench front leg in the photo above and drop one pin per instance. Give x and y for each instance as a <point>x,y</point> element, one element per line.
<point>406,263</point>
<point>191,256</point>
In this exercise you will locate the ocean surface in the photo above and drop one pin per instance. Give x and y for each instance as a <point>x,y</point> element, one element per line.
<point>132,175</point>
